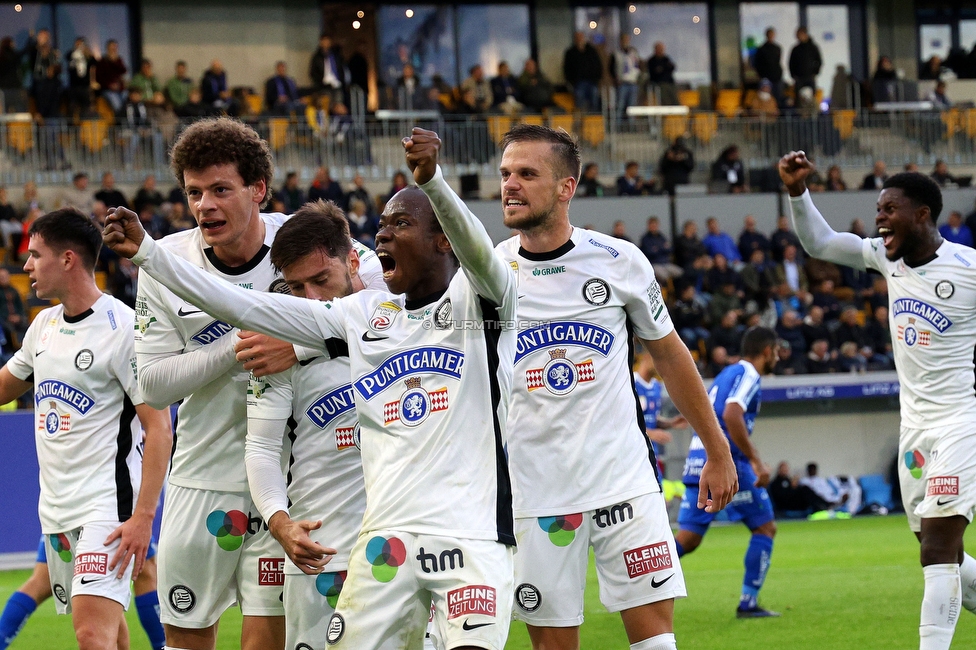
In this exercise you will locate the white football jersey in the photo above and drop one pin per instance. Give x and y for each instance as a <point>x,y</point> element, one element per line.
<point>932,315</point>
<point>576,427</point>
<point>316,408</point>
<point>212,421</point>
<point>87,433</point>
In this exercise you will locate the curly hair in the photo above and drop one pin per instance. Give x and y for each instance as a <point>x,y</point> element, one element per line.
<point>919,189</point>
<point>221,141</point>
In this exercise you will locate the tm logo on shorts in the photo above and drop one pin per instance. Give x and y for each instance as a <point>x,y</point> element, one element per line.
<point>61,546</point>
<point>914,461</point>
<point>330,586</point>
<point>561,529</point>
<point>386,555</point>
<point>228,527</point>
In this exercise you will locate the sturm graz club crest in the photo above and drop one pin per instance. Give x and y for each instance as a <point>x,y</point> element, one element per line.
<point>945,289</point>
<point>337,627</point>
<point>182,598</point>
<point>442,315</point>
<point>596,292</point>
<point>560,375</point>
<point>84,359</point>
<point>528,597</point>
<point>280,286</point>
<point>61,594</point>
<point>415,404</point>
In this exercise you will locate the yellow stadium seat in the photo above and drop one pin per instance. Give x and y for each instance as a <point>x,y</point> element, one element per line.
<point>93,134</point>
<point>534,120</point>
<point>564,101</point>
<point>277,132</point>
<point>674,126</point>
<point>104,110</point>
<point>844,123</point>
<point>498,126</point>
<point>21,282</point>
<point>255,103</point>
<point>594,130</point>
<point>34,310</point>
<point>101,280</point>
<point>20,136</point>
<point>952,118</point>
<point>969,123</point>
<point>689,98</point>
<point>564,122</point>
<point>729,102</point>
<point>704,126</point>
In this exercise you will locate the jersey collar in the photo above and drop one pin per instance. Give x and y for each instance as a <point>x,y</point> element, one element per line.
<point>549,255</point>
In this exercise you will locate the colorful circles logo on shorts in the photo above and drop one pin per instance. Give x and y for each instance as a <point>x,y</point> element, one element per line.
<point>330,586</point>
<point>914,461</point>
<point>561,529</point>
<point>61,546</point>
<point>385,554</point>
<point>228,527</point>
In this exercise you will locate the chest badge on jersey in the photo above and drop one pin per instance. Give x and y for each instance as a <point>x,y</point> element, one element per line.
<point>912,336</point>
<point>383,316</point>
<point>53,420</point>
<point>596,292</point>
<point>945,289</point>
<point>415,404</point>
<point>560,375</point>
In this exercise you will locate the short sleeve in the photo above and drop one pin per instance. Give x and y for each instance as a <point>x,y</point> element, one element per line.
<point>743,392</point>
<point>643,300</point>
<point>873,251</point>
<point>270,397</point>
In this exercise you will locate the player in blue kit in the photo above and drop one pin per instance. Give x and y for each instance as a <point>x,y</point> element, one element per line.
<point>648,389</point>
<point>735,396</point>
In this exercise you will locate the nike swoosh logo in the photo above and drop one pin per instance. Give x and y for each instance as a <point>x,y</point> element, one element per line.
<point>943,502</point>
<point>370,339</point>
<point>86,581</point>
<point>655,584</point>
<point>468,626</point>
<point>897,275</point>
<point>181,312</point>
<point>37,354</point>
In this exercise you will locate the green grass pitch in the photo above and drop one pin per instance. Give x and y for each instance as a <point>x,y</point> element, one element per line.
<point>840,585</point>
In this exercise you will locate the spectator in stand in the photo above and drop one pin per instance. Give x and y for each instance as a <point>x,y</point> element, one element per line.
<point>660,72</point>
<point>884,83</point>
<point>824,298</point>
<point>931,69</point>
<point>725,299</point>
<point>13,316</point>
<point>727,334</point>
<point>146,82</point>
<point>215,92</point>
<point>109,195</point>
<point>45,66</point>
<point>178,218</point>
<point>156,226</point>
<point>805,63</point>
<point>481,87</point>
<point>135,116</point>
<point>788,363</point>
<point>729,171</point>
<point>194,108</point>
<point>955,230</point>
<point>177,89</point>
<point>625,69</point>
<point>582,70</point>
<point>148,194</point>
<point>81,77</point>
<point>399,182</point>
<point>757,281</point>
<point>820,360</point>
<point>631,184</point>
<point>910,167</point>
<point>781,238</point>
<point>790,329</point>
<point>814,327</point>
<point>696,273</point>
<point>291,195</point>
<point>688,247</point>
<point>939,98</point>
<point>504,91</point>
<point>123,282</point>
<point>751,239</point>
<point>941,174</point>
<point>788,495</point>
<point>589,183</point>
<point>764,103</point>
<point>768,64</point>
<point>99,214</point>
<point>792,280</point>
<point>971,220</point>
<point>718,359</point>
<point>110,74</point>
<point>358,66</point>
<point>534,88</point>
<point>720,274</point>
<point>676,165</point>
<point>877,335</point>
<point>849,331</point>
<point>326,69</point>
<point>10,226</point>
<point>875,180</point>
<point>619,231</point>
<point>29,201</point>
<point>360,192</point>
<point>689,317</point>
<point>281,93</point>
<point>410,93</point>
<point>77,195</point>
<point>11,85</point>
<point>362,226</point>
<point>848,359</point>
<point>657,250</point>
<point>325,189</point>
<point>835,182</point>
<point>718,242</point>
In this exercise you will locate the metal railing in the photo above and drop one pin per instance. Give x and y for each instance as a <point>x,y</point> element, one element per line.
<point>52,152</point>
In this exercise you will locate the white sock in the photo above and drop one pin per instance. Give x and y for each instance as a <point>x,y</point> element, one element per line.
<point>659,642</point>
<point>967,572</point>
<point>940,606</point>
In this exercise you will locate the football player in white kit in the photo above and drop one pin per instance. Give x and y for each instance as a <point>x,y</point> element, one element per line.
<point>98,492</point>
<point>432,378</point>
<point>214,548</point>
<point>583,472</point>
<point>932,313</point>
